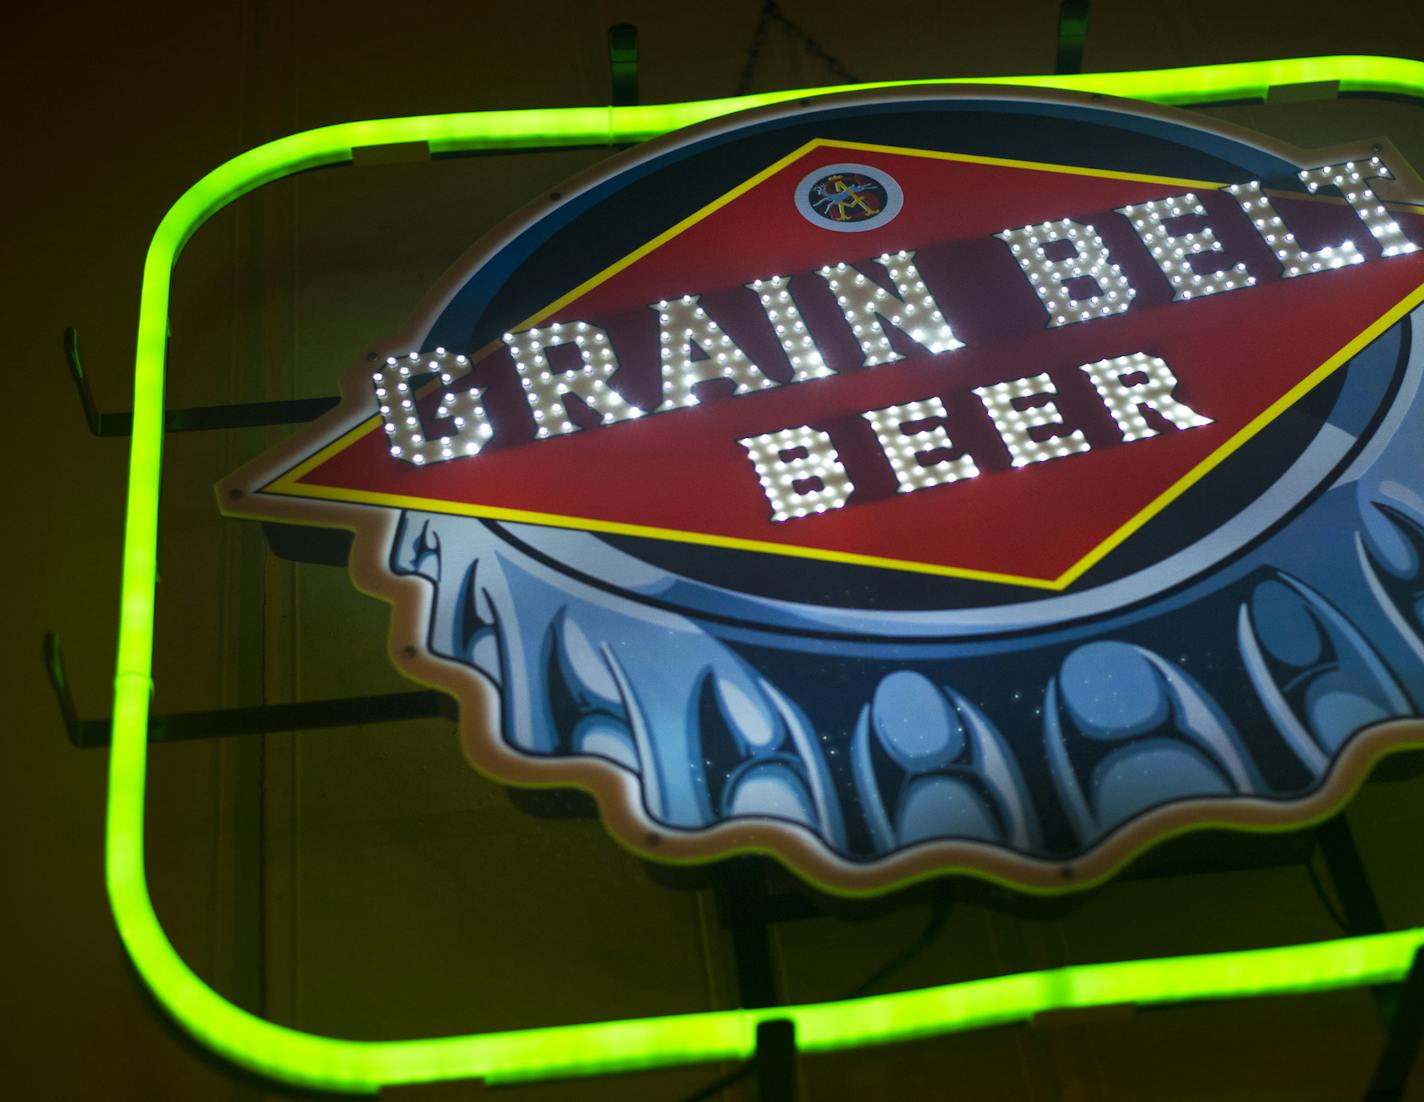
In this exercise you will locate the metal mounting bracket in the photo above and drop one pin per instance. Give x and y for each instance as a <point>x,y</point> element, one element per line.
<point>623,64</point>
<point>193,419</point>
<point>259,719</point>
<point>1072,32</point>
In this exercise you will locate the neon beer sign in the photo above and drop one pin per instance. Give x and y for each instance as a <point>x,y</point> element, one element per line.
<point>902,505</point>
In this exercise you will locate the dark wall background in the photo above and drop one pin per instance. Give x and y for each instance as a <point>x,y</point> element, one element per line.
<point>367,883</point>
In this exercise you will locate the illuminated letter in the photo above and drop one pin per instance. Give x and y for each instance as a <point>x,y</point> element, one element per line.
<point>1014,421</point>
<point>1125,401</point>
<point>405,434</point>
<point>868,306</point>
<point>1149,220</point>
<point>683,325</point>
<point>780,308</point>
<point>1089,260</point>
<point>1363,200</point>
<point>546,388</point>
<point>906,448</point>
<point>1295,261</point>
<point>780,467</point>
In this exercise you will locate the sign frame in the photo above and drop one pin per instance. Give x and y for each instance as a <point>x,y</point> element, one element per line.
<point>313,1061</point>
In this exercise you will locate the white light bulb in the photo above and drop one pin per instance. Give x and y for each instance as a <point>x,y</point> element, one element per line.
<point>804,365</point>
<point>1126,401</point>
<point>906,448</point>
<point>1002,401</point>
<point>547,391</point>
<point>681,372</point>
<point>779,465</point>
<point>408,442</point>
<point>868,308</point>
<point>1089,260</point>
<point>1350,181</point>
<point>1294,260</point>
<point>1150,218</point>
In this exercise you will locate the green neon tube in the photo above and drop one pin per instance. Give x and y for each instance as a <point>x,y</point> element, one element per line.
<point>365,1066</point>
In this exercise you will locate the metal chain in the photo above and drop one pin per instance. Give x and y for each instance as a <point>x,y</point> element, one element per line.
<point>771,12</point>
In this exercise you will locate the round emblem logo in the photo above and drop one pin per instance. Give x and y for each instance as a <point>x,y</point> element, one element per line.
<point>849,198</point>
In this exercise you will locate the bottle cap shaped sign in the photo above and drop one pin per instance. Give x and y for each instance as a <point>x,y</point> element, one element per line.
<point>977,479</point>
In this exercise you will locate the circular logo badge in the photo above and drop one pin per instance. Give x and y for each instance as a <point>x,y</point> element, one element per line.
<point>849,198</point>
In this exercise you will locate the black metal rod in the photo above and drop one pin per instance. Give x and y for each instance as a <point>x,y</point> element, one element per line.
<point>92,416</point>
<point>75,728</point>
<point>741,896</point>
<point>1401,1047</point>
<point>258,719</point>
<point>776,1061</point>
<point>241,415</point>
<point>305,715</point>
<point>1342,857</point>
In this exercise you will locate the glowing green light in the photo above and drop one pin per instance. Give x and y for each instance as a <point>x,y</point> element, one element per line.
<point>310,1060</point>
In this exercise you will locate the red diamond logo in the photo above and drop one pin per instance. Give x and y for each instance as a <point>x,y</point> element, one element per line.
<point>733,402</point>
